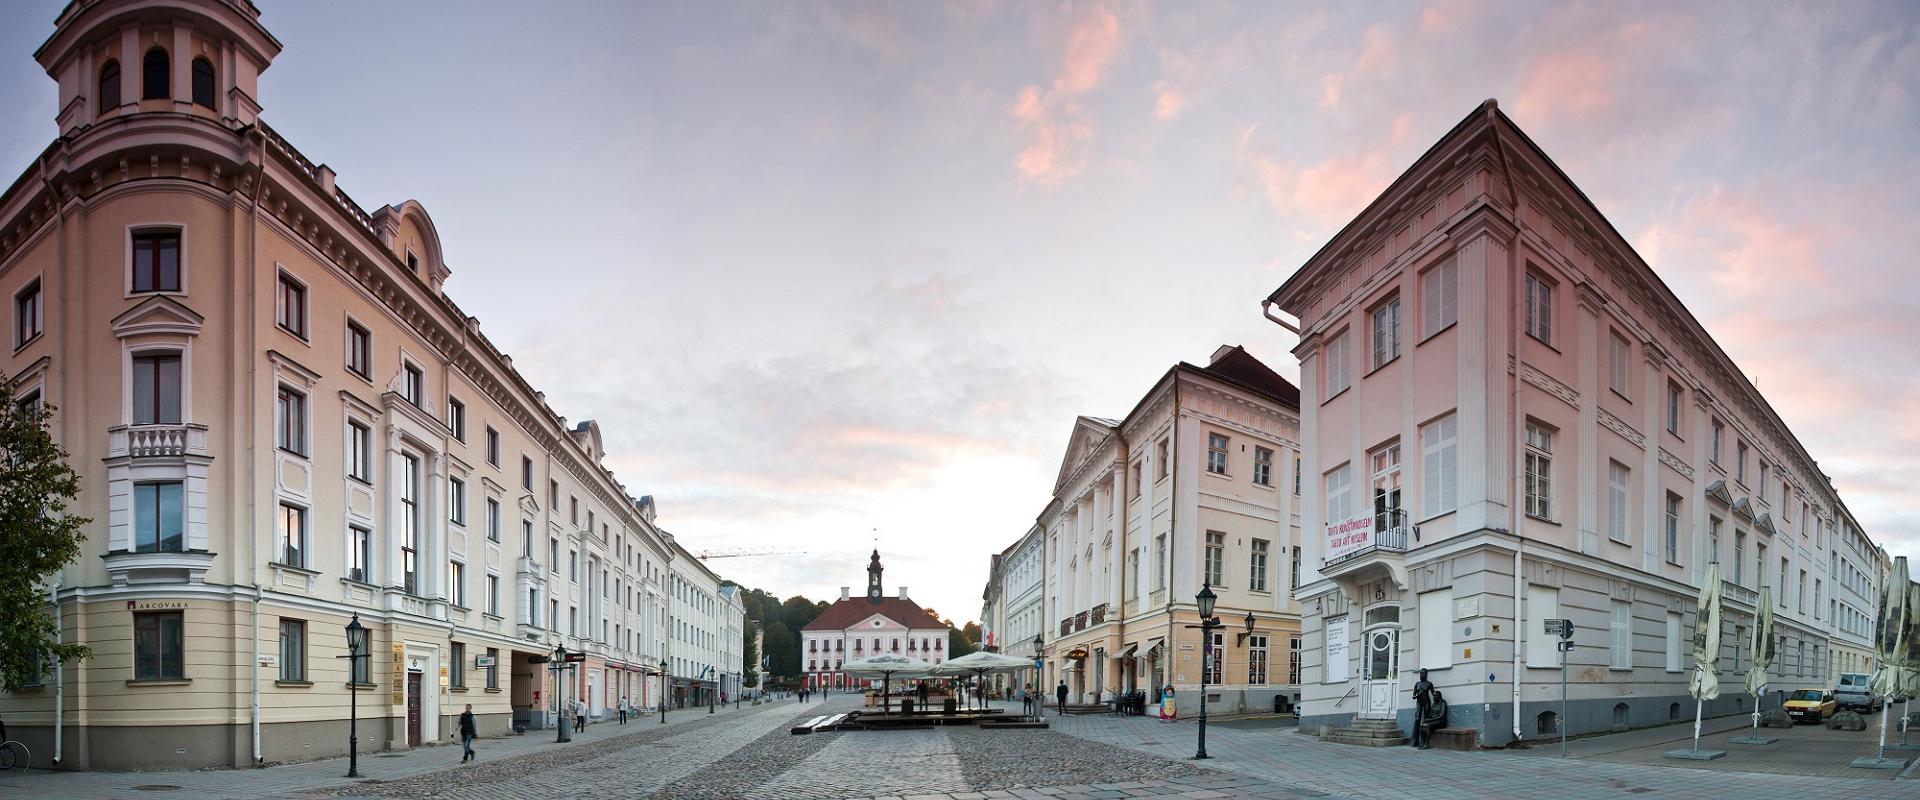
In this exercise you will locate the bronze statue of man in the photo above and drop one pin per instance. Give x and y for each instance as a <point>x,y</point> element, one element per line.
<point>1423,706</point>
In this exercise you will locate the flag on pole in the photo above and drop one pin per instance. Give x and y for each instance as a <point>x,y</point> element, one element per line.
<point>1761,648</point>
<point>1706,638</point>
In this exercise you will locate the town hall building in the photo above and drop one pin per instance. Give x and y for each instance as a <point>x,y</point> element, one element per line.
<point>854,628</point>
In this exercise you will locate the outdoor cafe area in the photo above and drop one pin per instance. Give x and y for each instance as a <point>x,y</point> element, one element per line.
<point>898,701</point>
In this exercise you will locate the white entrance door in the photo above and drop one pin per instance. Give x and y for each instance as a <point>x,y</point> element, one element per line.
<point>1380,672</point>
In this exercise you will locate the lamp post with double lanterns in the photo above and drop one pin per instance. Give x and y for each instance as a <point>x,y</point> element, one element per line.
<point>1208,624</point>
<point>355,633</point>
<point>1039,648</point>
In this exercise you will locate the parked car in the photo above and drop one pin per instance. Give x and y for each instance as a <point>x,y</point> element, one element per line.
<point>1810,705</point>
<point>1855,690</point>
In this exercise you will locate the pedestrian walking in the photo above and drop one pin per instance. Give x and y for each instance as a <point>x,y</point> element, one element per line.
<point>468,732</point>
<point>1061,693</point>
<point>580,715</point>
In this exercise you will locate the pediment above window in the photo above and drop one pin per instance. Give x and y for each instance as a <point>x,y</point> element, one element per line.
<point>158,315</point>
<point>1718,491</point>
<point>1764,522</point>
<point>1743,508</point>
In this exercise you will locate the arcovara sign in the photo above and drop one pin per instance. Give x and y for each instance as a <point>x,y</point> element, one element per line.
<point>1349,536</point>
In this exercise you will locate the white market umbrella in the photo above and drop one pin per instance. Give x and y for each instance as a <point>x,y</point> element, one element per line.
<point>884,668</point>
<point>1706,647</point>
<point>982,663</point>
<point>1760,650</point>
<point>1893,643</point>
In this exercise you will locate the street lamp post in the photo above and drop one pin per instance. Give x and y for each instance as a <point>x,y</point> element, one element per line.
<point>559,668</point>
<point>663,692</point>
<point>1205,599</point>
<point>1039,646</point>
<point>355,631</point>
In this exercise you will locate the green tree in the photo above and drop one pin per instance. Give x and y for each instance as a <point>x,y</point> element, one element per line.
<point>37,538</point>
<point>783,650</point>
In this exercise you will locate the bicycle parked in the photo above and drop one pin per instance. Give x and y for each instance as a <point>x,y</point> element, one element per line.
<point>7,748</point>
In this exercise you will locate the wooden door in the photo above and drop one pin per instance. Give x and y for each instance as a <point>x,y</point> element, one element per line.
<point>413,709</point>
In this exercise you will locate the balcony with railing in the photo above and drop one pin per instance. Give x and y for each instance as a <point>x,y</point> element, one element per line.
<point>1735,593</point>
<point>165,440</point>
<point>1099,614</point>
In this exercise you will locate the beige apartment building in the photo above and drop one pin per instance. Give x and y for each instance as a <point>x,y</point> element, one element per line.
<point>1509,418</point>
<point>283,422</point>
<point>1194,487</point>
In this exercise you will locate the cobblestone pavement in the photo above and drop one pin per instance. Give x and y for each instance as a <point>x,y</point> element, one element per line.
<point>749,755</point>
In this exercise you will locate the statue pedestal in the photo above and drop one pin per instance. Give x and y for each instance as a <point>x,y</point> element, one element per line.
<point>1695,755</point>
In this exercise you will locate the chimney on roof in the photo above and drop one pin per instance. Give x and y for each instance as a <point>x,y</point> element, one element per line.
<point>1221,352</point>
<point>903,592</point>
<point>846,592</point>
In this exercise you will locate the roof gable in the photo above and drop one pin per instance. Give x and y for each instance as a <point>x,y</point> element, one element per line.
<point>1089,435</point>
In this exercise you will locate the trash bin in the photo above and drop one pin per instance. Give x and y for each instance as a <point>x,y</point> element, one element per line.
<point>950,705</point>
<point>906,706</point>
<point>1279,703</point>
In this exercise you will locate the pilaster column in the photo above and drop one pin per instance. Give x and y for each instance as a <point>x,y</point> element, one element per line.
<point>1593,333</point>
<point>433,530</point>
<point>1702,430</point>
<point>1653,404</point>
<point>393,531</point>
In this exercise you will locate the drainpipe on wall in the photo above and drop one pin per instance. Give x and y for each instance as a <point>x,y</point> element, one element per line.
<point>59,668</point>
<point>253,468</point>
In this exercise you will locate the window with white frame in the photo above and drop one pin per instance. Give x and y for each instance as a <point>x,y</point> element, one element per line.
<point>1439,297</point>
<point>1293,661</point>
<point>1740,462</point>
<point>1385,463</point>
<point>456,501</point>
<point>1296,476</point>
<point>410,523</point>
<point>413,386</point>
<point>1257,566</point>
<point>27,310</point>
<point>457,418</point>
<point>1621,649</point>
<point>1386,331</point>
<point>1673,407</point>
<point>1160,562</point>
<point>359,554</point>
<point>1440,466</point>
<point>1217,453</point>
<point>1539,470</point>
<point>1619,482</point>
<point>1762,485</point>
<point>290,306</point>
<point>290,421</point>
<point>1216,657</point>
<point>493,447</point>
<point>359,452</point>
<point>1339,496</point>
<point>1262,466</point>
<point>457,583</point>
<point>157,388</point>
<point>1674,640</point>
<point>1539,309</point>
<point>290,536</point>
<point>1436,629</point>
<point>1673,528</point>
<point>1339,364</point>
<point>1163,459</point>
<point>1618,360</point>
<point>1713,445</point>
<point>1713,539</point>
<point>1257,659</point>
<point>493,520</point>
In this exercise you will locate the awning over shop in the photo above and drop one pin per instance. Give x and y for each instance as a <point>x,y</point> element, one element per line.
<point>1128,653</point>
<point>1153,646</point>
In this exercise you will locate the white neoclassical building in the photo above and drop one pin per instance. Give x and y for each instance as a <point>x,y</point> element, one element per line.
<point>1509,418</point>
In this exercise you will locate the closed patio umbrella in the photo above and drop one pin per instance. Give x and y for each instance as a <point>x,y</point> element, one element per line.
<point>1760,650</point>
<point>1893,644</point>
<point>1705,684</point>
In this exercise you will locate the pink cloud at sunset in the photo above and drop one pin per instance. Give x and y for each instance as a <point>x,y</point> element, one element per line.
<point>1056,128</point>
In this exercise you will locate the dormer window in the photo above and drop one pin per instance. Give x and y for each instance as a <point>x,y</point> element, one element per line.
<point>203,82</point>
<point>153,76</point>
<point>109,87</point>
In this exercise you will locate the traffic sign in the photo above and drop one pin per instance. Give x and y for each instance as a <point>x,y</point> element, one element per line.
<point>1562,628</point>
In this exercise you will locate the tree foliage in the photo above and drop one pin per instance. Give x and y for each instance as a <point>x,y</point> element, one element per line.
<point>37,538</point>
<point>749,656</point>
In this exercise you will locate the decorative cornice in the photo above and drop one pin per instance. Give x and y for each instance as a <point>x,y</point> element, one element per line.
<point>1668,458</point>
<point>354,403</point>
<point>1550,385</point>
<point>285,365</point>
<point>1620,426</point>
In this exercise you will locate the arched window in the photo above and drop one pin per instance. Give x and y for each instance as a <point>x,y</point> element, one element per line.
<point>153,76</point>
<point>109,86</point>
<point>203,82</point>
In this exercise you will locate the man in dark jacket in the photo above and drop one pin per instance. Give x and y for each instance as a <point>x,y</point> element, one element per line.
<point>468,732</point>
<point>1060,693</point>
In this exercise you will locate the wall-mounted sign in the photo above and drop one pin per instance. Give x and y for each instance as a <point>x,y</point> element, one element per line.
<point>1337,668</point>
<point>1349,536</point>
<point>482,662</point>
<point>156,605</point>
<point>269,660</point>
<point>1077,653</point>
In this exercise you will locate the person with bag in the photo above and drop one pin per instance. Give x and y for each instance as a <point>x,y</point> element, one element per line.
<point>468,732</point>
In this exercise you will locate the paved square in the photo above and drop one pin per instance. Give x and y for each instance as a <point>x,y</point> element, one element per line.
<point>747,754</point>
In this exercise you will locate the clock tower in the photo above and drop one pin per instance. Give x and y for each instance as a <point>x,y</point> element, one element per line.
<point>874,593</point>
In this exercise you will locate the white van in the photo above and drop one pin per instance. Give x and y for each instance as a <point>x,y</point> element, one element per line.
<point>1855,690</point>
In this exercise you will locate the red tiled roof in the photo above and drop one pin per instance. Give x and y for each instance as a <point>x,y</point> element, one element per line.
<point>844,613</point>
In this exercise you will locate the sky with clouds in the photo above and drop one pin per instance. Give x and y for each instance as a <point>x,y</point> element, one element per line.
<point>832,273</point>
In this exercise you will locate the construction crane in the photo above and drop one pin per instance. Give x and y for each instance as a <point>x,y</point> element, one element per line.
<point>747,552</point>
